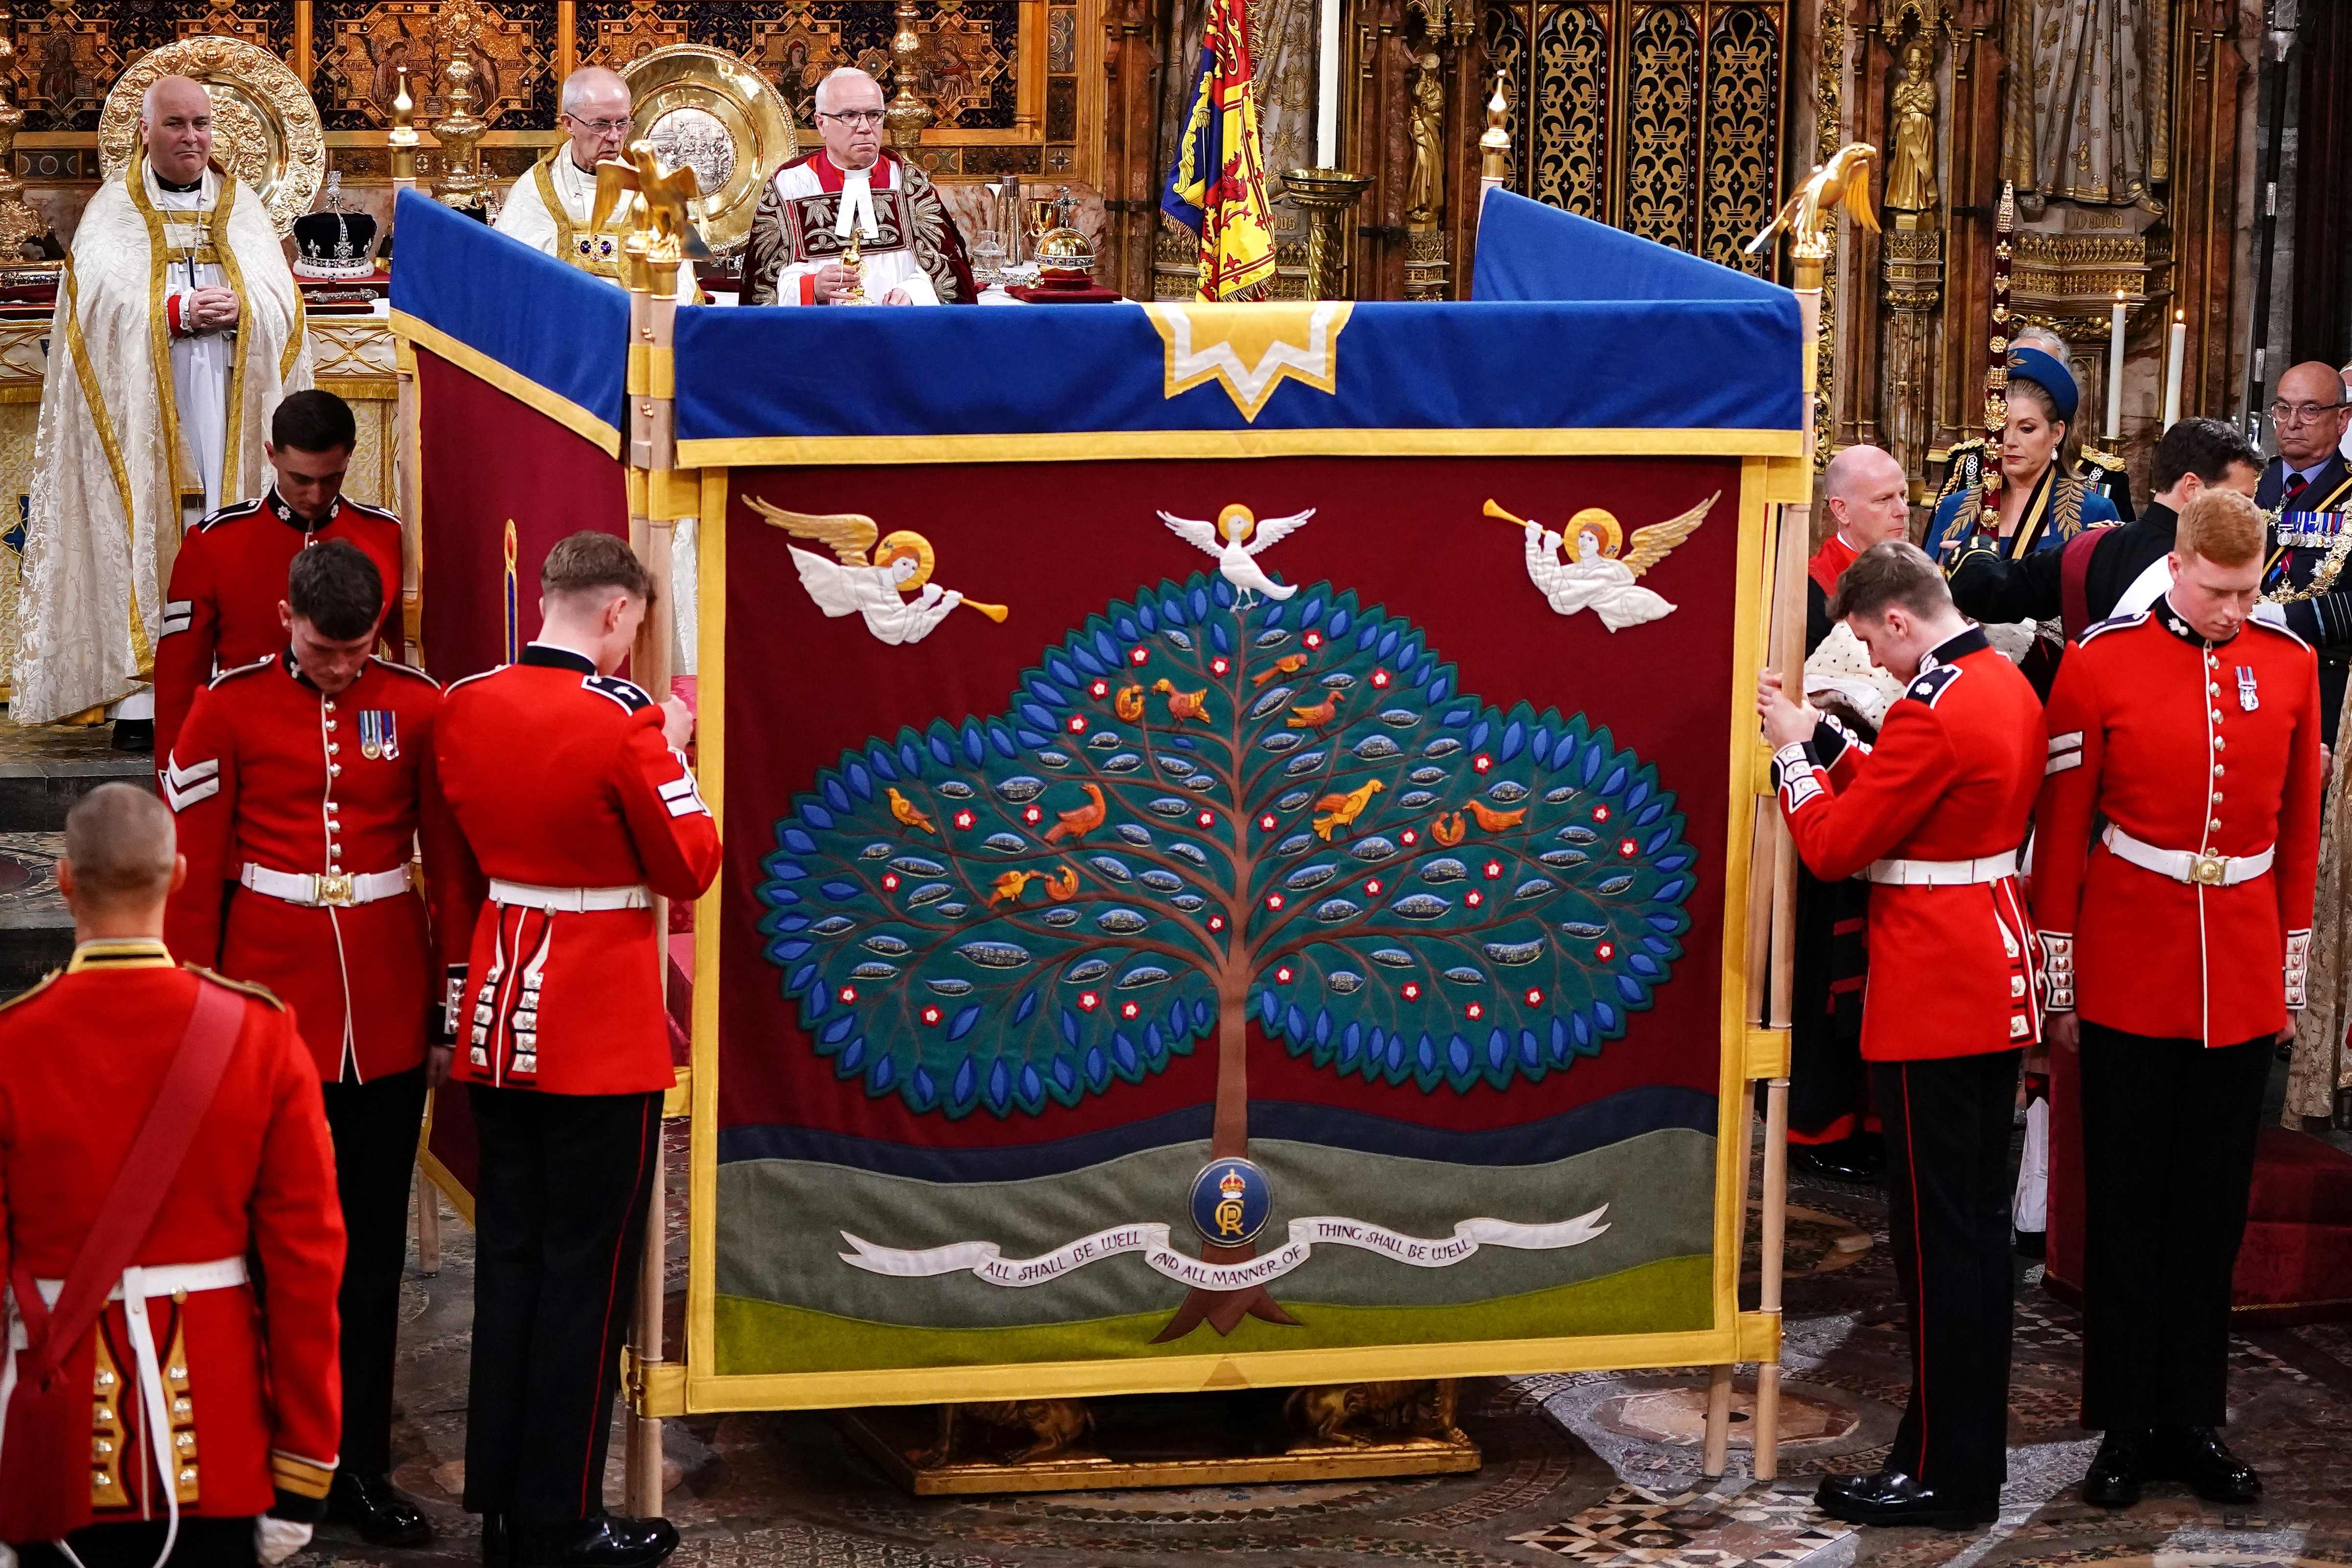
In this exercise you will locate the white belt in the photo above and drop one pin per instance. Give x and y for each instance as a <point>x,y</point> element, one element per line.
<point>569,900</point>
<point>1944,873</point>
<point>336,891</point>
<point>2187,866</point>
<point>134,1290</point>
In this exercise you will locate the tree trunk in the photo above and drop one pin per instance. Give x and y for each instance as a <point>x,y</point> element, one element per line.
<point>1228,1138</point>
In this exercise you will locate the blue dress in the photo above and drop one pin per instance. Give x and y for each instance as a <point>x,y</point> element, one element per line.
<point>2059,508</point>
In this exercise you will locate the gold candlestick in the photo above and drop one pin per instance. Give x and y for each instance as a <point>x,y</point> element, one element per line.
<point>402,138</point>
<point>1329,196</point>
<point>906,114</point>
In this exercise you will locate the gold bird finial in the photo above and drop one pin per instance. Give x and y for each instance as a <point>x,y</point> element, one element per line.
<point>1808,215</point>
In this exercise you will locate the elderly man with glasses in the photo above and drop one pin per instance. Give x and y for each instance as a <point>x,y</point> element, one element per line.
<point>2308,489</point>
<point>909,250</point>
<point>548,208</point>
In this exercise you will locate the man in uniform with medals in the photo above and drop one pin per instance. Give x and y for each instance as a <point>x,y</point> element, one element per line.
<point>2306,488</point>
<point>852,193</point>
<point>2176,841</point>
<point>551,207</point>
<point>300,782</point>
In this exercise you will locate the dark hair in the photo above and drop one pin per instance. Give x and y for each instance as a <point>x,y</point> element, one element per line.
<point>2207,448</point>
<point>336,589</point>
<point>313,420</point>
<point>1888,574</point>
<point>588,561</point>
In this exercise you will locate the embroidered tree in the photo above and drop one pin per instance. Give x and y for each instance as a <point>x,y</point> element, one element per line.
<point>1187,816</point>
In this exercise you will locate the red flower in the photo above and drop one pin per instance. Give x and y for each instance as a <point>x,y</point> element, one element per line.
<point>1208,818</point>
<point>1628,848</point>
<point>1127,1010</point>
<point>1274,900</point>
<point>1088,1001</point>
<point>1218,666</point>
<point>1494,868</point>
<point>1482,762</point>
<point>849,993</point>
<point>1281,976</point>
<point>1216,923</point>
<point>891,882</point>
<point>1374,887</point>
<point>1381,678</point>
<point>1032,816</point>
<point>1314,639</point>
<point>963,819</point>
<point>1474,1011</point>
<point>1267,822</point>
<point>1600,813</point>
<point>1474,899</point>
<point>1078,724</point>
<point>1138,655</point>
<point>1605,952</point>
<point>1534,999</point>
<point>1412,991</point>
<point>930,1015</point>
<point>1101,688</point>
<point>1410,836</point>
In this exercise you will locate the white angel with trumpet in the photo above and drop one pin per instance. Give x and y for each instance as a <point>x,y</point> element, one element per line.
<point>853,584</point>
<point>1598,579</point>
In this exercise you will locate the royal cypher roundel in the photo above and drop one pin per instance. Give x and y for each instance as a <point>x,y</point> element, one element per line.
<point>1188,817</point>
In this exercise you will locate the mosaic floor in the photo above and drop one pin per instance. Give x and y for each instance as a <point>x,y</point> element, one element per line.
<point>1599,1470</point>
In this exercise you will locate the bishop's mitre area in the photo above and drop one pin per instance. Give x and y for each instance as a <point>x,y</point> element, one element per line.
<point>1052,783</point>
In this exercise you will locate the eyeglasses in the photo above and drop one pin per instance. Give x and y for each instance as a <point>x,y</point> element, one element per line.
<point>599,127</point>
<point>858,119</point>
<point>2300,412</point>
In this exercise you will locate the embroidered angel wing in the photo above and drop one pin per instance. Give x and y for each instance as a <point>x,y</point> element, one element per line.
<point>849,534</point>
<point>1655,543</point>
<point>1197,531</point>
<point>1273,531</point>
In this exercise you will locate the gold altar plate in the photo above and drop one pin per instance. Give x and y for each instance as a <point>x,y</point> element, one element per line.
<point>266,128</point>
<point>703,107</point>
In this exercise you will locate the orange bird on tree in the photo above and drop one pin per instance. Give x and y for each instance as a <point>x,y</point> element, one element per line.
<point>1182,705</point>
<point>1083,820</point>
<point>1315,717</point>
<point>1491,819</point>
<point>1288,665</point>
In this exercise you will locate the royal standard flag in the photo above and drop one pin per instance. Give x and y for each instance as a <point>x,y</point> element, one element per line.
<point>1217,188</point>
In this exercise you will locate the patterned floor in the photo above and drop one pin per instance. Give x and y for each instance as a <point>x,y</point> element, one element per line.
<point>1596,1469</point>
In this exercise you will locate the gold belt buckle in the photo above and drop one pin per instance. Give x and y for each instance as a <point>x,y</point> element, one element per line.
<point>2208,871</point>
<point>335,889</point>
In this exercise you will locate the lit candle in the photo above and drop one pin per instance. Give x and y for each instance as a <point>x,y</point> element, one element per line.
<point>2116,369</point>
<point>1327,86</point>
<point>2175,354</point>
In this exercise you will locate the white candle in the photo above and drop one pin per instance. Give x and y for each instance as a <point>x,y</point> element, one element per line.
<point>2175,354</point>
<point>2116,369</point>
<point>1327,87</point>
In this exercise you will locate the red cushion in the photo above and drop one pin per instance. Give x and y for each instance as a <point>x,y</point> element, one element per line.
<point>2300,1180</point>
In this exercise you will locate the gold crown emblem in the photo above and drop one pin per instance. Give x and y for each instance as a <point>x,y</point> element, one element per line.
<point>1232,1185</point>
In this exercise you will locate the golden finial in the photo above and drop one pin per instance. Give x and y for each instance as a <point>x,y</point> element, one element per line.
<point>1495,143</point>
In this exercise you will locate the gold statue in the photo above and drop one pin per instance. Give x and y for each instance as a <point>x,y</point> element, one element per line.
<point>853,264</point>
<point>1843,180</point>
<point>661,217</point>
<point>1424,190</point>
<point>1911,174</point>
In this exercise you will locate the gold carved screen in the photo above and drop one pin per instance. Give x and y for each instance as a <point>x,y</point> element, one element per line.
<point>1665,118</point>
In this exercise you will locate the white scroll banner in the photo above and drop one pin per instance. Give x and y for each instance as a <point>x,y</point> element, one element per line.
<point>985,1260</point>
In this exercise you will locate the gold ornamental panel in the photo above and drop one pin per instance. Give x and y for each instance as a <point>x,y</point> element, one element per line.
<point>1668,118</point>
<point>705,108</point>
<point>266,128</point>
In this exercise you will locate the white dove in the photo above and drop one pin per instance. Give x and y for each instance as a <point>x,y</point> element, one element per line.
<point>1231,540</point>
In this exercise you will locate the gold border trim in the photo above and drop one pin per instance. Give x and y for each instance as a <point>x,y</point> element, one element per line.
<point>771,451</point>
<point>142,650</point>
<point>1734,1335</point>
<point>521,388</point>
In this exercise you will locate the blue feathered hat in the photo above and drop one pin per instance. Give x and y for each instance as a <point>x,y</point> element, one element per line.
<point>2045,372</point>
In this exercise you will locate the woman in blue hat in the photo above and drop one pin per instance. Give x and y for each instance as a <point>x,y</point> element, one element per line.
<point>2040,506</point>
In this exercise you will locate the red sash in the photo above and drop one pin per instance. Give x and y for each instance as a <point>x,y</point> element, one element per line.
<point>44,1457</point>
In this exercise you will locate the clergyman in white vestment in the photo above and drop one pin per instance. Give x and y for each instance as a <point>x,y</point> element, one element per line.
<point>177,254</point>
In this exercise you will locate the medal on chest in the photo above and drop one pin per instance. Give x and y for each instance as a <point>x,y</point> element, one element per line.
<point>378,736</point>
<point>2248,701</point>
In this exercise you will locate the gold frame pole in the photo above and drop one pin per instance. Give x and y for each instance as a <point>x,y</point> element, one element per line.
<point>657,492</point>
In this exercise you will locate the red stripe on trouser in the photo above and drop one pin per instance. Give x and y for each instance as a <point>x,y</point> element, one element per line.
<point>597,1412</point>
<point>1918,1274</point>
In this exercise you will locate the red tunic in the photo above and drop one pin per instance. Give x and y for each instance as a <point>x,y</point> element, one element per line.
<point>1952,777</point>
<point>269,771</point>
<point>2186,745</point>
<point>81,1057</point>
<point>1829,563</point>
<point>561,779</point>
<point>221,610</point>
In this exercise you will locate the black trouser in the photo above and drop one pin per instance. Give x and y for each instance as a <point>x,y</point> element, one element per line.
<point>1948,1185</point>
<point>1828,1090</point>
<point>2168,1131</point>
<point>202,1543</point>
<point>375,1126</point>
<point>558,1217</point>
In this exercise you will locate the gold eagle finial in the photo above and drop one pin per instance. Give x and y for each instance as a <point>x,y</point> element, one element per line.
<point>1808,215</point>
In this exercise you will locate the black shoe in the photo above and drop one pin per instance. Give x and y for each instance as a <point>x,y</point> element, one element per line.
<point>2032,1243</point>
<point>1848,1159</point>
<point>2118,1470</point>
<point>1892,1498</point>
<point>600,1541</point>
<point>381,1515</point>
<point>494,1540</point>
<point>134,735</point>
<point>2197,1455</point>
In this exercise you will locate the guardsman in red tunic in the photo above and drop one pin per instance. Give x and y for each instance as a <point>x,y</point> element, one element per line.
<point>303,783</point>
<point>221,609</point>
<point>573,794</point>
<point>1934,815</point>
<point>194,1402</point>
<point>2176,844</point>
<point>1831,1131</point>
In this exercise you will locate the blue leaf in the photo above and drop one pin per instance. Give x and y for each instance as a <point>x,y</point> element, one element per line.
<point>1060,670</point>
<point>1002,739</point>
<point>1065,1075</point>
<point>838,890</point>
<point>961,1024</point>
<point>1670,890</point>
<point>1224,593</point>
<point>1126,625</point>
<point>1514,735</point>
<point>1069,1026</point>
<point>1295,1024</point>
<point>1478,733</point>
<point>1632,989</point>
<point>1045,693</point>
<point>1439,687</point>
<point>1173,608</point>
<point>1616,780</point>
<point>922,1089</point>
<point>1219,638</point>
<point>1310,612</point>
<point>975,746</point>
<point>1106,647</point>
<point>1199,603</point>
<point>1098,1068</point>
<point>1033,1088</point>
<point>852,1057</point>
<point>1000,1086</point>
<point>1122,1051</point>
<point>1388,643</point>
<point>1531,1049</point>
<point>782,952</point>
<point>1637,794</point>
<point>965,1084</point>
<point>794,839</point>
<point>881,1075</point>
<point>798,981</point>
<point>837,796</point>
<point>911,760</point>
<point>1143,615</point>
<point>1351,1041</point>
<point>883,765</point>
<point>838,1030</point>
<point>1498,1048</point>
<point>816,816</point>
<point>1643,964</point>
<point>1428,1054</point>
<point>861,780</point>
<point>784,869</point>
<point>1605,1013</point>
<point>1025,1006</point>
<point>1457,1053</point>
<point>1269,1005</point>
<point>1088,662</point>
